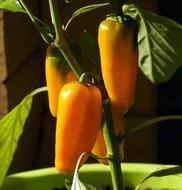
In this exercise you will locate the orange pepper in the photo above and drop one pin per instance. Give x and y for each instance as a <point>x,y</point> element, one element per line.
<point>78,123</point>
<point>100,149</point>
<point>57,74</point>
<point>70,77</point>
<point>119,60</point>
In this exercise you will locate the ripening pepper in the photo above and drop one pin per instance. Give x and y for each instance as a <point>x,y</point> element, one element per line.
<point>57,74</point>
<point>119,60</point>
<point>100,147</point>
<point>78,122</point>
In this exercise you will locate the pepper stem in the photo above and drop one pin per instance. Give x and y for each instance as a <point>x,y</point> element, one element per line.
<point>116,7</point>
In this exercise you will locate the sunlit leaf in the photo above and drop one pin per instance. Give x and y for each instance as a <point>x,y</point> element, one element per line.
<point>77,184</point>
<point>11,128</point>
<point>11,5</point>
<point>163,173</point>
<point>159,42</point>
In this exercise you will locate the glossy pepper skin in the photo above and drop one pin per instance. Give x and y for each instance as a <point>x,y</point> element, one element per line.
<point>57,74</point>
<point>100,147</point>
<point>119,57</point>
<point>78,122</point>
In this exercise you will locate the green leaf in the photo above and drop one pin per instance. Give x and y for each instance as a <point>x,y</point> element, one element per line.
<point>77,52</point>
<point>11,128</point>
<point>77,184</point>
<point>90,47</point>
<point>85,9</point>
<point>46,32</point>
<point>82,186</point>
<point>162,174</point>
<point>68,185</point>
<point>89,187</point>
<point>11,5</point>
<point>159,42</point>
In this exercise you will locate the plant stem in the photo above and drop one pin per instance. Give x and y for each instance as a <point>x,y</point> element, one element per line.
<point>116,7</point>
<point>38,90</point>
<point>61,42</point>
<point>23,4</point>
<point>112,148</point>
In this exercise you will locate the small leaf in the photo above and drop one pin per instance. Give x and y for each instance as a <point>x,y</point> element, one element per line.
<point>68,184</point>
<point>11,128</point>
<point>81,186</point>
<point>87,186</point>
<point>163,172</point>
<point>11,5</point>
<point>84,10</point>
<point>90,47</point>
<point>44,30</point>
<point>77,184</point>
<point>159,42</point>
<point>77,52</point>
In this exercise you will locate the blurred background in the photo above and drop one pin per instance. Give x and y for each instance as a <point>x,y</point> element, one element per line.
<point>22,57</point>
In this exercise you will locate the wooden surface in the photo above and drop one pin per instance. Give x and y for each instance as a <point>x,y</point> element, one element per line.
<point>3,71</point>
<point>3,100</point>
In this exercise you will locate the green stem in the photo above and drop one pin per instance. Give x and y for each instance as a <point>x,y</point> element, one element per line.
<point>116,7</point>
<point>38,90</point>
<point>88,77</point>
<point>112,148</point>
<point>97,157</point>
<point>61,42</point>
<point>23,4</point>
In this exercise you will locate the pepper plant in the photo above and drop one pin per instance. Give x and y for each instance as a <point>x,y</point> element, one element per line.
<point>129,39</point>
